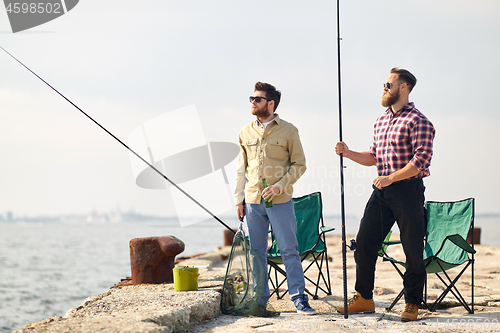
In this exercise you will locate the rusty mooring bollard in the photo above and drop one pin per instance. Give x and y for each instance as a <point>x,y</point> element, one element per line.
<point>152,258</point>
<point>477,236</point>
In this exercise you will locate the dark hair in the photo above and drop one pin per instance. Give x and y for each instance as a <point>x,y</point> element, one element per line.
<point>405,76</point>
<point>270,91</point>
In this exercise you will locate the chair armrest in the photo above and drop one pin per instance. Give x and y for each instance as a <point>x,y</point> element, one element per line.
<point>395,242</point>
<point>392,260</point>
<point>322,233</point>
<point>461,243</point>
<point>458,241</point>
<point>326,229</point>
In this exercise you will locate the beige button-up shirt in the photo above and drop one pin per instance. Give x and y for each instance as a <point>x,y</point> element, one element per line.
<point>275,154</point>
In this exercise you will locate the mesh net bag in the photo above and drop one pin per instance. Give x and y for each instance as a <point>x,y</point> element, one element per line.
<point>244,281</point>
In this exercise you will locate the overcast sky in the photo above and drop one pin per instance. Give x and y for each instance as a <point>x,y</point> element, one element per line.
<point>126,62</point>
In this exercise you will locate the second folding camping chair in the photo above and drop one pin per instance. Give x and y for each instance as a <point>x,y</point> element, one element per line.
<point>448,224</point>
<point>312,246</point>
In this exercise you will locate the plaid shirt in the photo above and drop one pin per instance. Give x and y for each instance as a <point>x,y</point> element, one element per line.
<point>402,138</point>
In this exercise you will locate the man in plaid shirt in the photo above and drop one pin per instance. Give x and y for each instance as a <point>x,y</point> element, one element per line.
<point>402,152</point>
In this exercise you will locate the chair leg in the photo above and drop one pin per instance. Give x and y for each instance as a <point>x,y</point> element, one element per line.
<point>316,284</point>
<point>401,293</point>
<point>269,273</point>
<point>398,270</point>
<point>315,295</point>
<point>321,276</point>
<point>328,274</point>
<point>328,286</point>
<point>425,295</point>
<point>324,256</point>
<point>425,290</point>
<point>276,284</point>
<point>451,287</point>
<point>472,260</point>
<point>279,284</point>
<point>472,278</point>
<point>396,300</point>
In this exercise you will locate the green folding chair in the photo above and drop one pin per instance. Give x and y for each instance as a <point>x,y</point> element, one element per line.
<point>312,246</point>
<point>448,224</point>
<point>386,243</point>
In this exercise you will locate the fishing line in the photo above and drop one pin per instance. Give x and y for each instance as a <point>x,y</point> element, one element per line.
<point>122,143</point>
<point>342,201</point>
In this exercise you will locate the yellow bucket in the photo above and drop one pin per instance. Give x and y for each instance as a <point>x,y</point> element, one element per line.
<point>185,278</point>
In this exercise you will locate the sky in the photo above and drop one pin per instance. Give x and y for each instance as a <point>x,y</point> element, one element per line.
<point>125,63</point>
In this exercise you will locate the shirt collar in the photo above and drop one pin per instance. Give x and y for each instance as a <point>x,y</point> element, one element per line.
<point>407,107</point>
<point>276,119</point>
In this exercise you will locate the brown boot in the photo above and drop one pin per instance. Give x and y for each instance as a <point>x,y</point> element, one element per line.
<point>410,313</point>
<point>357,304</point>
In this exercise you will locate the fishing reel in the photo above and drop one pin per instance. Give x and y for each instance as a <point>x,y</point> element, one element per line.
<point>352,247</point>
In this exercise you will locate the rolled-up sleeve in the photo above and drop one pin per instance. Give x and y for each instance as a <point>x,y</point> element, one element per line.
<point>422,137</point>
<point>239,187</point>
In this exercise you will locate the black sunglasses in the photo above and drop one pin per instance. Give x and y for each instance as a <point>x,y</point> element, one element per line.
<point>389,85</point>
<point>257,99</point>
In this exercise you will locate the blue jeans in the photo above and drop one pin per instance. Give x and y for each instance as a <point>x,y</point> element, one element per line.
<point>401,202</point>
<point>282,219</point>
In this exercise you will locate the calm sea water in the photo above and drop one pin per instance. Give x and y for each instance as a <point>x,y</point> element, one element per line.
<point>46,269</point>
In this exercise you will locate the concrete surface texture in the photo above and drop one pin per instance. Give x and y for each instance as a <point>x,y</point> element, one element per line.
<point>159,308</point>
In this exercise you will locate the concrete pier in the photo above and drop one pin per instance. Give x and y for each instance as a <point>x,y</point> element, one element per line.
<point>159,308</point>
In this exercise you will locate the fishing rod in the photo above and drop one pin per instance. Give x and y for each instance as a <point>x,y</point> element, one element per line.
<point>342,200</point>
<point>122,143</point>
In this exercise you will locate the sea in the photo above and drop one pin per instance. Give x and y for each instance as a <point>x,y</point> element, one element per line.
<point>48,268</point>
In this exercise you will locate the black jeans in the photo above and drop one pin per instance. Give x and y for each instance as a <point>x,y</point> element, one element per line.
<point>401,202</point>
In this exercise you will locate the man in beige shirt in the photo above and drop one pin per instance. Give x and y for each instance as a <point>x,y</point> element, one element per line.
<point>270,148</point>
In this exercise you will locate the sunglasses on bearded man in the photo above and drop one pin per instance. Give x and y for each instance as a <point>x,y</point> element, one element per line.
<point>257,99</point>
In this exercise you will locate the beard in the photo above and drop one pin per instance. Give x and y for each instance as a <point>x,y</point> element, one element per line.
<point>389,99</point>
<point>261,112</point>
